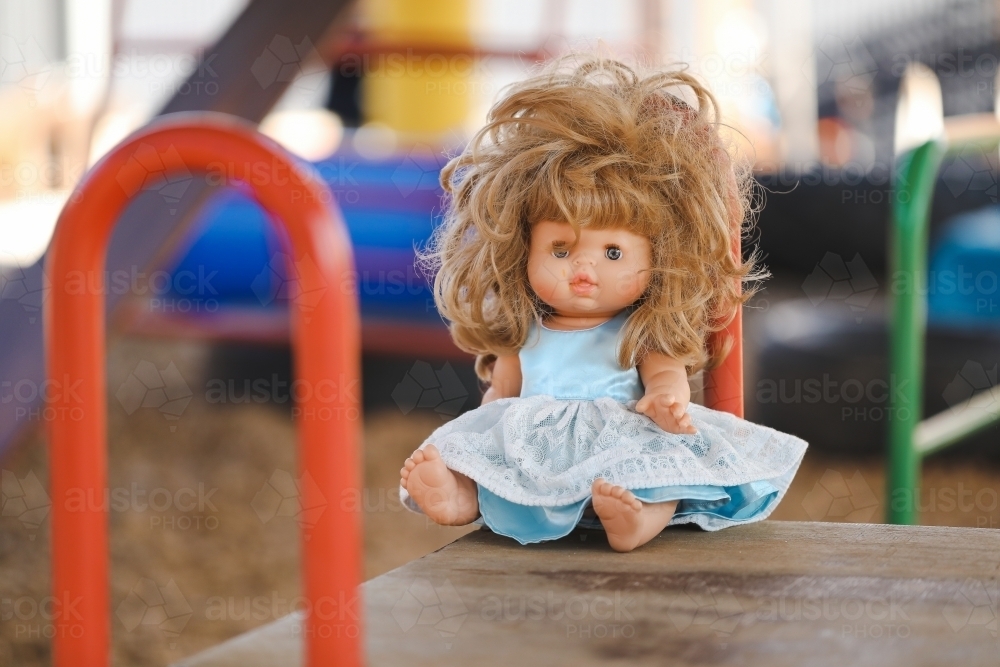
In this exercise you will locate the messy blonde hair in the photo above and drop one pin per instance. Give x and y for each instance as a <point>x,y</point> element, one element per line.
<point>591,142</point>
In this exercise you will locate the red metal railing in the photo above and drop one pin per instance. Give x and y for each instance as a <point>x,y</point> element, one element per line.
<point>326,350</point>
<point>724,383</point>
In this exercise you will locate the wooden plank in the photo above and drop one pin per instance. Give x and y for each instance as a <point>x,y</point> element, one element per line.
<point>772,593</point>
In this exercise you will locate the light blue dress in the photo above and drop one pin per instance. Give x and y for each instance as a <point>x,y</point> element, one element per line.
<point>535,457</point>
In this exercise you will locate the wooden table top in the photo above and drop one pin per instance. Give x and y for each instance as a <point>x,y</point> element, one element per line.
<point>771,593</point>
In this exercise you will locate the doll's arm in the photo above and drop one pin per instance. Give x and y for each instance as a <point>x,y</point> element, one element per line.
<point>667,393</point>
<point>506,381</point>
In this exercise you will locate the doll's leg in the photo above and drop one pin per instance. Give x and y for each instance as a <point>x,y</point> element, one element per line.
<point>447,497</point>
<point>629,522</point>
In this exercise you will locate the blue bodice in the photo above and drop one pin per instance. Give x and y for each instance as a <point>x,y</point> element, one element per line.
<point>581,364</point>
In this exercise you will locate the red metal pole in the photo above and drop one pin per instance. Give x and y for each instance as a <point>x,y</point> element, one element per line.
<point>325,327</point>
<point>724,383</point>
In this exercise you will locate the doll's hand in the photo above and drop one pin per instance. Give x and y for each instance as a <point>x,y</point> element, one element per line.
<point>668,413</point>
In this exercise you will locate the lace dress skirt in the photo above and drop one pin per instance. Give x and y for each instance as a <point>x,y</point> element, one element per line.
<point>535,458</point>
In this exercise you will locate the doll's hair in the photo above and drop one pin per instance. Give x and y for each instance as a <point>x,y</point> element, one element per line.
<point>591,142</point>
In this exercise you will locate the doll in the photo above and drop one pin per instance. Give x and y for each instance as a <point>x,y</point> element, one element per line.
<point>585,258</point>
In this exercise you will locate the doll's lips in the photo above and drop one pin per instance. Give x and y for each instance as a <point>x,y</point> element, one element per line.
<point>582,286</point>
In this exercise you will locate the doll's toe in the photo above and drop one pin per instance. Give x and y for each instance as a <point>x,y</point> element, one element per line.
<point>617,492</point>
<point>431,452</point>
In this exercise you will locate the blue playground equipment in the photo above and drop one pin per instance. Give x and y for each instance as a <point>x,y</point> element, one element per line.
<point>963,290</point>
<point>390,205</point>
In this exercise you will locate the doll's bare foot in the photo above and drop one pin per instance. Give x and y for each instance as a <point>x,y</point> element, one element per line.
<point>629,522</point>
<point>447,497</point>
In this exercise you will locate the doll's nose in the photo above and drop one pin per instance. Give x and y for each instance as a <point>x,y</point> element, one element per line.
<point>582,258</point>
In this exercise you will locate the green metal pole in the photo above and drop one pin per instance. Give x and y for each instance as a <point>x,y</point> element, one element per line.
<point>915,178</point>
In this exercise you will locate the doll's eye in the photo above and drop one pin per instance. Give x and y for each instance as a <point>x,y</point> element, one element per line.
<point>560,253</point>
<point>613,252</point>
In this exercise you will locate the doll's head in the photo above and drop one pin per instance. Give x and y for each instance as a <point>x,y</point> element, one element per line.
<point>589,144</point>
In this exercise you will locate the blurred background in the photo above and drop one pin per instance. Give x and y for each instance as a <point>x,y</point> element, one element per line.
<point>374,95</point>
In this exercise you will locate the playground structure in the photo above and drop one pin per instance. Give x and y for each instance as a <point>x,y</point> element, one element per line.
<point>326,341</point>
<point>911,439</point>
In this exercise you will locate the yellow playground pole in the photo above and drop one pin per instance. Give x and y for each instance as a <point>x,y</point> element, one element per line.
<point>419,79</point>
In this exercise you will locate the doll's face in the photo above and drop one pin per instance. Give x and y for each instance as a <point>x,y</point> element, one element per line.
<point>598,275</point>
